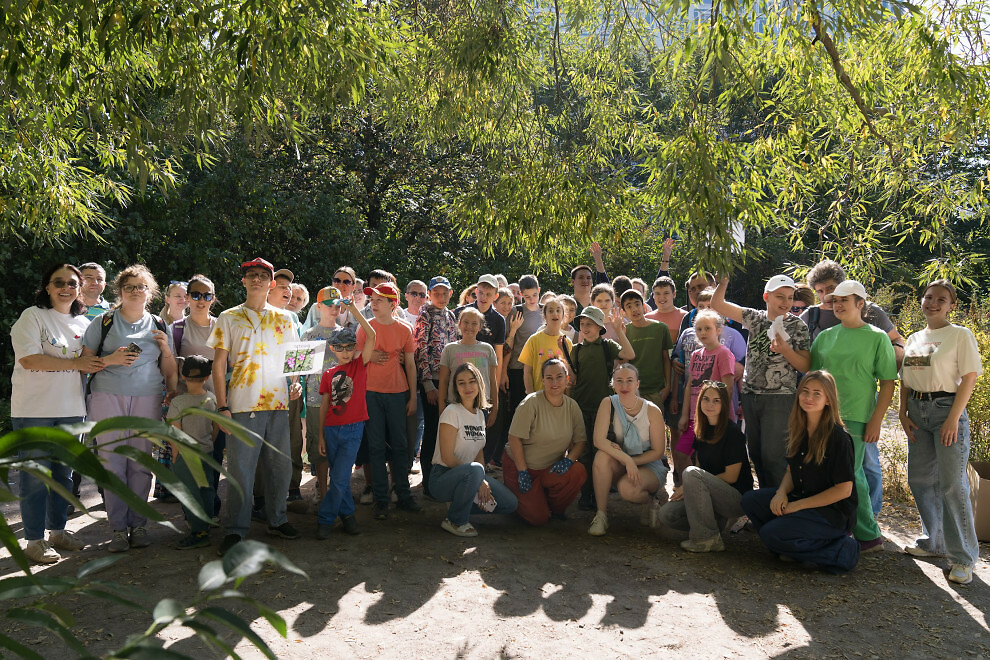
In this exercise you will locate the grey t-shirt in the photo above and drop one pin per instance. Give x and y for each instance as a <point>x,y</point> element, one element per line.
<point>872,314</point>
<point>531,323</point>
<point>768,372</point>
<point>196,426</point>
<point>143,377</point>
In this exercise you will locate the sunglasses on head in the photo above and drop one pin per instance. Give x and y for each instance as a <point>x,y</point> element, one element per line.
<point>200,295</point>
<point>337,280</point>
<point>717,384</point>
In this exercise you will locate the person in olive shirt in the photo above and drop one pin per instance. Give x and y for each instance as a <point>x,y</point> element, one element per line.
<point>592,361</point>
<point>651,342</point>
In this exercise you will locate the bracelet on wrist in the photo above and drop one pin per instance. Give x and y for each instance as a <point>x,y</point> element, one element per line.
<point>223,409</point>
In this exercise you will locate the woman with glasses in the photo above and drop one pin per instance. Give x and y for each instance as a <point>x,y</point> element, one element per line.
<point>175,301</point>
<point>348,286</point>
<point>47,390</point>
<point>630,437</point>
<point>137,352</point>
<point>708,498</point>
<point>189,333</point>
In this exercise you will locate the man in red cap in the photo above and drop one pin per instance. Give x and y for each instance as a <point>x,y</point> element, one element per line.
<point>258,398</point>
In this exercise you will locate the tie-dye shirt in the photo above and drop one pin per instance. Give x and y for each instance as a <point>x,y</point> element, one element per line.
<point>252,343</point>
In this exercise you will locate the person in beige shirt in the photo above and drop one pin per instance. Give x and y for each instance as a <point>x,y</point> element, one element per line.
<point>546,439</point>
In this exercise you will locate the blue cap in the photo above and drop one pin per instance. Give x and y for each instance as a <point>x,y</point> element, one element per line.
<point>440,280</point>
<point>342,337</point>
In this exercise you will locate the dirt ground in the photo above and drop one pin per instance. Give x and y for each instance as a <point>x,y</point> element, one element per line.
<point>406,589</point>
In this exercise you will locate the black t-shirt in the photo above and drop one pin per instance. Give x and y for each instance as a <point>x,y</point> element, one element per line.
<point>836,468</point>
<point>494,335</point>
<point>731,449</point>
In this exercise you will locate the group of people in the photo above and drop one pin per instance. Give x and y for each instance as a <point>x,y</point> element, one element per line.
<point>572,397</point>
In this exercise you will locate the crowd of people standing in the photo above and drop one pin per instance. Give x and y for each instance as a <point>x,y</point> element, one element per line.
<point>609,388</point>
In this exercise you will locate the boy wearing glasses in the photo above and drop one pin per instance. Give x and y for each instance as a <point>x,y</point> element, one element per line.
<point>258,398</point>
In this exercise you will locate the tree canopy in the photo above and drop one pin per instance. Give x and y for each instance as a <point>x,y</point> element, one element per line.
<point>847,126</point>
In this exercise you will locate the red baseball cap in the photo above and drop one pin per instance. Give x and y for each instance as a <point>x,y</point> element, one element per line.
<point>258,262</point>
<point>385,290</point>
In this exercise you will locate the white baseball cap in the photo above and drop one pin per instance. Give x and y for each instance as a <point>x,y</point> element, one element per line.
<point>778,281</point>
<point>850,288</point>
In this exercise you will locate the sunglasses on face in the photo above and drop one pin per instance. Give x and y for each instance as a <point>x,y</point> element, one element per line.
<point>337,280</point>
<point>62,284</point>
<point>418,294</point>
<point>797,309</point>
<point>198,295</point>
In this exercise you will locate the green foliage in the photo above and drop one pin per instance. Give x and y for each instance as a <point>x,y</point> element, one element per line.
<point>33,599</point>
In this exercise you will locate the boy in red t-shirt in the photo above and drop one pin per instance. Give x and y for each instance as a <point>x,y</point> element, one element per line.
<point>343,411</point>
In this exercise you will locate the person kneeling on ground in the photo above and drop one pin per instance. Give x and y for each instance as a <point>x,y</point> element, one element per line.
<point>545,441</point>
<point>458,474</point>
<point>711,489</point>
<point>631,456</point>
<point>808,518</point>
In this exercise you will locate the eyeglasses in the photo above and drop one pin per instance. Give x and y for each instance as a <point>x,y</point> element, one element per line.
<point>131,288</point>
<point>337,280</point>
<point>258,275</point>
<point>418,294</point>
<point>717,384</point>
<point>797,309</point>
<point>201,295</point>
<point>62,284</point>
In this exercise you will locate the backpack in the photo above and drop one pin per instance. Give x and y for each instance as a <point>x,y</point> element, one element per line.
<point>105,325</point>
<point>609,359</point>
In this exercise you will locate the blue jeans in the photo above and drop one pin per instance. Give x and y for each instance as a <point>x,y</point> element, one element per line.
<point>386,428</point>
<point>458,485</point>
<point>766,434</point>
<point>204,494</point>
<point>804,536</point>
<point>342,446</point>
<point>874,476</point>
<point>937,477</point>
<point>242,460</point>
<point>41,508</point>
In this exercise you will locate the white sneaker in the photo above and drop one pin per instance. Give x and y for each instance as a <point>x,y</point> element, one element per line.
<point>41,552</point>
<point>599,524</point>
<point>64,540</point>
<point>467,529</point>
<point>961,574</point>
<point>917,551</point>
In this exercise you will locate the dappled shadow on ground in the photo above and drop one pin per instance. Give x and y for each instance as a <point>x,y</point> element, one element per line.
<point>409,579</point>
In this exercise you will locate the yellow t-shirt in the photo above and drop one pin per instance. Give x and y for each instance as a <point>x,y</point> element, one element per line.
<point>539,348</point>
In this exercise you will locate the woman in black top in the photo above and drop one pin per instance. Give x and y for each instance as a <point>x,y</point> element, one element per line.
<point>808,516</point>
<point>711,489</point>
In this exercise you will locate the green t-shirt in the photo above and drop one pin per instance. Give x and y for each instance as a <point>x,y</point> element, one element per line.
<point>652,345</point>
<point>593,378</point>
<point>857,358</point>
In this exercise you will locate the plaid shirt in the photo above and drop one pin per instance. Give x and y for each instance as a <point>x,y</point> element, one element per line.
<point>435,328</point>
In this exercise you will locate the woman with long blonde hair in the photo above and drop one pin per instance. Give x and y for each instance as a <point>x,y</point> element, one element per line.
<point>808,517</point>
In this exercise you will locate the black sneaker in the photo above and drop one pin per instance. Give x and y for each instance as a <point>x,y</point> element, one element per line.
<point>409,505</point>
<point>349,525</point>
<point>228,542</point>
<point>586,503</point>
<point>294,495</point>
<point>381,510</point>
<point>194,540</point>
<point>285,530</point>
<point>324,532</point>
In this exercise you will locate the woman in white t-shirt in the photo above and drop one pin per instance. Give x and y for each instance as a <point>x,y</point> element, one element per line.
<point>48,390</point>
<point>458,474</point>
<point>941,365</point>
